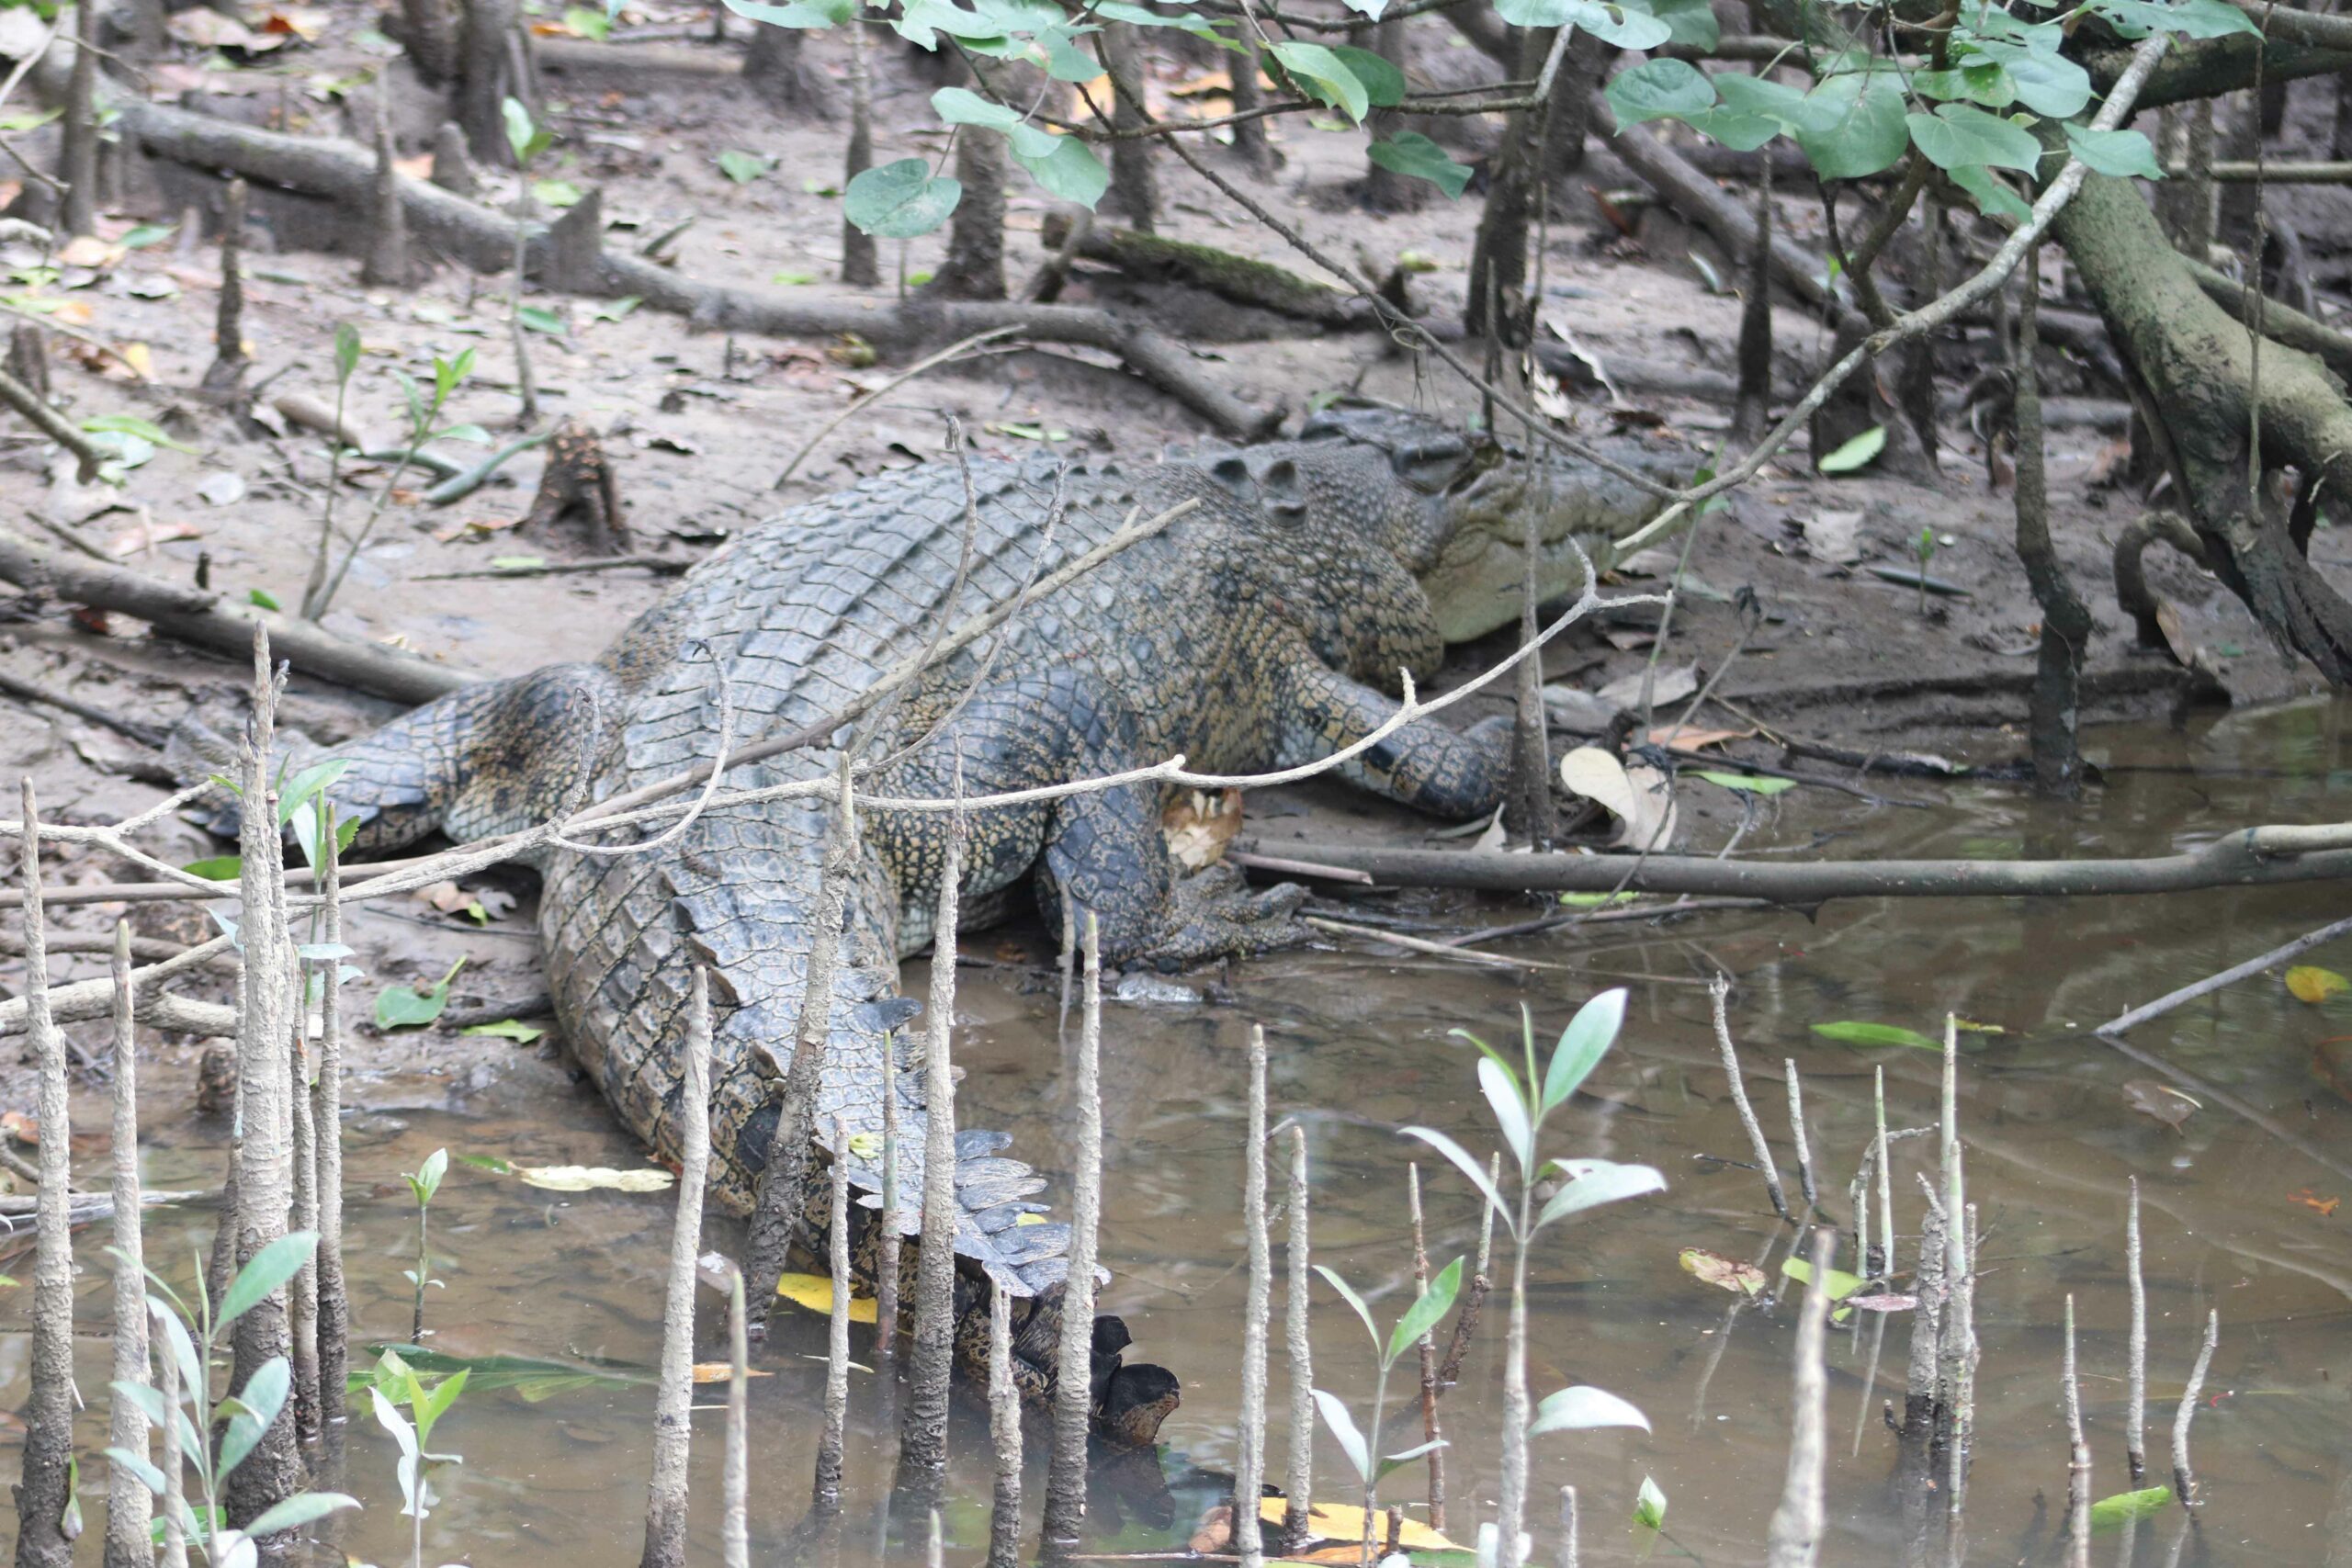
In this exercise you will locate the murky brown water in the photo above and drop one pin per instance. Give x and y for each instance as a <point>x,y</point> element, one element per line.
<point>1362,1049</point>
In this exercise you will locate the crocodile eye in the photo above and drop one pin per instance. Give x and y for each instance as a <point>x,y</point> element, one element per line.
<point>1432,466</point>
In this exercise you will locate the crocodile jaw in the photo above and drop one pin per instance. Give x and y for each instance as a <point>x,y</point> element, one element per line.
<point>1478,579</point>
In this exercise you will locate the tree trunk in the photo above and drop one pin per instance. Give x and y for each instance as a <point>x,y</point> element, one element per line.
<point>2197,362</point>
<point>1751,416</point>
<point>973,268</point>
<point>1135,189</point>
<point>430,36</point>
<point>860,265</point>
<point>1385,190</point>
<point>77,156</point>
<point>2055,705</point>
<point>778,64</point>
<point>1249,143</point>
<point>488,79</point>
<point>1498,253</point>
<point>1571,108</point>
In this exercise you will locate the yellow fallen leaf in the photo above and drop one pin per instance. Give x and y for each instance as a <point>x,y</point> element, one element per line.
<point>1337,1521</point>
<point>74,312</point>
<point>588,1178</point>
<point>1726,1273</point>
<point>2310,983</point>
<point>724,1372</point>
<point>815,1292</point>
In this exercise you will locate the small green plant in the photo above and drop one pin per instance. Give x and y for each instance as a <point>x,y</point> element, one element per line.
<point>316,594</point>
<point>526,140</point>
<point>395,1383</point>
<point>422,1185</point>
<point>241,1419</point>
<point>1522,1105</point>
<point>1362,1447</point>
<point>423,426</point>
<point>1925,551</point>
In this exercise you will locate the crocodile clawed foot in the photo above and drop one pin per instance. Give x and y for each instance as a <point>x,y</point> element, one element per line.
<point>1216,914</point>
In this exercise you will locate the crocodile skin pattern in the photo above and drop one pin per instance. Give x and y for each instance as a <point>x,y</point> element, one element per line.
<point>1265,629</point>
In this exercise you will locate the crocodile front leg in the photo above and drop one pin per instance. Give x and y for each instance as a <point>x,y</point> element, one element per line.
<point>1317,711</point>
<point>1102,852</point>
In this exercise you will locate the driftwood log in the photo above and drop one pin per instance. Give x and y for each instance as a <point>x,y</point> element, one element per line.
<point>571,256</point>
<point>213,621</point>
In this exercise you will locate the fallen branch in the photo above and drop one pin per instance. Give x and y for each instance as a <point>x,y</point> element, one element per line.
<point>213,621</point>
<point>2227,977</point>
<point>570,255</point>
<point>148,735</point>
<point>51,423</point>
<point>661,566</point>
<point>1242,279</point>
<point>2250,857</point>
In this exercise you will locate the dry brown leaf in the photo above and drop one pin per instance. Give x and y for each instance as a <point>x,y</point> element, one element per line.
<point>1723,1273</point>
<point>2160,1102</point>
<point>1199,826</point>
<point>147,534</point>
<point>724,1372</point>
<point>417,168</point>
<point>73,312</point>
<point>2324,1207</point>
<point>1694,739</point>
<point>88,250</point>
<point>21,1128</point>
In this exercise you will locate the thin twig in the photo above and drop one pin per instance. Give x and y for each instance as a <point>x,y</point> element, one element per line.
<point>1796,1130</point>
<point>1794,1537</point>
<point>2184,1480</point>
<point>867,399</point>
<point>827,1491</point>
<point>665,1511</point>
<point>923,1447</point>
<point>1249,1472</point>
<point>1719,991</point>
<point>1004,1430</point>
<point>1298,1475</point>
<point>1066,1473</point>
<point>130,1506</point>
<point>2078,1457</point>
<point>41,1540</point>
<point>2229,977</point>
<point>2135,1420</point>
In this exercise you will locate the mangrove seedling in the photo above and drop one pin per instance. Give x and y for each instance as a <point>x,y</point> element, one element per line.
<point>393,1384</point>
<point>1362,1447</point>
<point>185,1409</point>
<point>422,1185</point>
<point>1521,1106</point>
<point>1924,550</point>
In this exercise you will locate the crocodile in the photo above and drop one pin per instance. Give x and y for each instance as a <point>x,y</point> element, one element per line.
<point>1267,626</point>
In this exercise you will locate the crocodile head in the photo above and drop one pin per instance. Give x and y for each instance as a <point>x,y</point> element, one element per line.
<point>1458,516</point>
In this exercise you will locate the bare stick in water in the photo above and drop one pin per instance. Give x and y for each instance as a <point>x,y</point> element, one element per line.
<point>1066,1471</point>
<point>2184,1479</point>
<point>1794,1537</point>
<point>1431,1429</point>
<point>302,1293</point>
<point>775,1213</point>
<point>1482,1282</point>
<point>828,1497</point>
<point>1720,991</point>
<point>923,1447</point>
<point>887,1243</point>
<point>175,1498</point>
<point>326,1120</point>
<point>1886,1176</point>
<point>263,1164</point>
<point>41,1540</point>
<point>2135,1420</point>
<point>1570,1550</point>
<point>130,1506</point>
<point>2078,1459</point>
<point>1004,1432</point>
<point>1298,1477</point>
<point>1249,1475</point>
<point>665,1509</point>
<point>735,1525</point>
<point>1796,1132</point>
